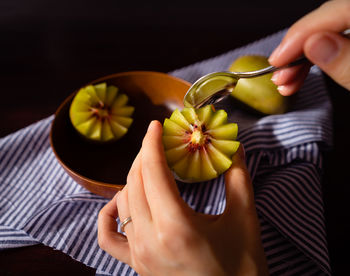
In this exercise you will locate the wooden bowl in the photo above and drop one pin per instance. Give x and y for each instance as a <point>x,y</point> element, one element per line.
<point>103,168</point>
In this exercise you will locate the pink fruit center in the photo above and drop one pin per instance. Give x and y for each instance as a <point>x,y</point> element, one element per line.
<point>198,138</point>
<point>101,111</point>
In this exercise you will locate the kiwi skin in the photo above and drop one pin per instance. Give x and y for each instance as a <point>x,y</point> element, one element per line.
<point>199,143</point>
<point>259,93</point>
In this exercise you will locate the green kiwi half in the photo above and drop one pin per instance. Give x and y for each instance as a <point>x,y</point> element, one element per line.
<point>100,113</point>
<point>199,143</point>
<point>258,93</point>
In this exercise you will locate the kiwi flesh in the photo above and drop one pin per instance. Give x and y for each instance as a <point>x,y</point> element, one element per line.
<point>258,93</point>
<point>199,143</point>
<point>100,113</point>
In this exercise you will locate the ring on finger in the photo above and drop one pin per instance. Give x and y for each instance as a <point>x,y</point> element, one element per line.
<point>124,223</point>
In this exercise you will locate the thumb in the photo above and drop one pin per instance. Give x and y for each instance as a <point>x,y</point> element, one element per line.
<point>239,190</point>
<point>331,52</point>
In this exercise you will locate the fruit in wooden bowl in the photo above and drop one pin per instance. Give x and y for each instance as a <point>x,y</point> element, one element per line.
<point>102,168</point>
<point>101,113</point>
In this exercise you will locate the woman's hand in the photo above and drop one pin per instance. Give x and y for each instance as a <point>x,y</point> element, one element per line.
<point>317,36</point>
<point>166,237</point>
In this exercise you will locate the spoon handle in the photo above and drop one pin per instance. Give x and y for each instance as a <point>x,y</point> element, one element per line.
<point>269,69</point>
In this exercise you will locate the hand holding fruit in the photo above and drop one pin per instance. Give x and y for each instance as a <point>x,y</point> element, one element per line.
<point>317,36</point>
<point>166,236</point>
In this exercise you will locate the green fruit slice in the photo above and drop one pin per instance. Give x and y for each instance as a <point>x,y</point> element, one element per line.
<point>227,147</point>
<point>179,119</point>
<point>173,155</point>
<point>199,143</point>
<point>99,113</point>
<point>218,119</point>
<point>259,93</point>
<point>172,128</point>
<point>189,114</point>
<point>194,169</point>
<point>219,160</point>
<point>204,114</point>
<point>172,141</point>
<point>181,167</point>
<point>207,170</point>
<point>224,132</point>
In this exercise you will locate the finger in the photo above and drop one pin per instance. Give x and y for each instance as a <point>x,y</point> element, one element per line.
<point>239,190</point>
<point>160,187</point>
<point>108,238</point>
<point>240,213</point>
<point>320,20</point>
<point>331,52</point>
<point>138,205</point>
<point>122,203</point>
<point>286,75</point>
<point>290,80</point>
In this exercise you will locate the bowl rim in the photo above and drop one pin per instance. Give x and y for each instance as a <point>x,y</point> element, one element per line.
<point>67,99</point>
<point>137,72</point>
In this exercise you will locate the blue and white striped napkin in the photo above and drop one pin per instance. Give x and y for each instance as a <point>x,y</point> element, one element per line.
<point>40,203</point>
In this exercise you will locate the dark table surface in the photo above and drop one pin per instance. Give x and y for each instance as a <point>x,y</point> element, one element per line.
<point>50,48</point>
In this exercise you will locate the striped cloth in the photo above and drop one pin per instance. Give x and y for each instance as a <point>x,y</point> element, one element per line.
<point>40,203</point>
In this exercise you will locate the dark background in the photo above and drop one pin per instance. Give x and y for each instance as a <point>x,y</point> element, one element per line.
<point>50,48</point>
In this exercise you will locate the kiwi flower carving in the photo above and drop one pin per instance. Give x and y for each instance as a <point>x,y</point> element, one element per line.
<point>100,113</point>
<point>199,143</point>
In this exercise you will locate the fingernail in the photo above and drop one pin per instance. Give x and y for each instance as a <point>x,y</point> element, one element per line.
<point>323,49</point>
<point>281,88</point>
<point>275,77</point>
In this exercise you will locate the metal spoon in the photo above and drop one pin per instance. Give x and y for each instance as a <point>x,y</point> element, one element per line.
<point>214,87</point>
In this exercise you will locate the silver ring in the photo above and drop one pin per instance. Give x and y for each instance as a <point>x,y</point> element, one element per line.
<point>125,222</point>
